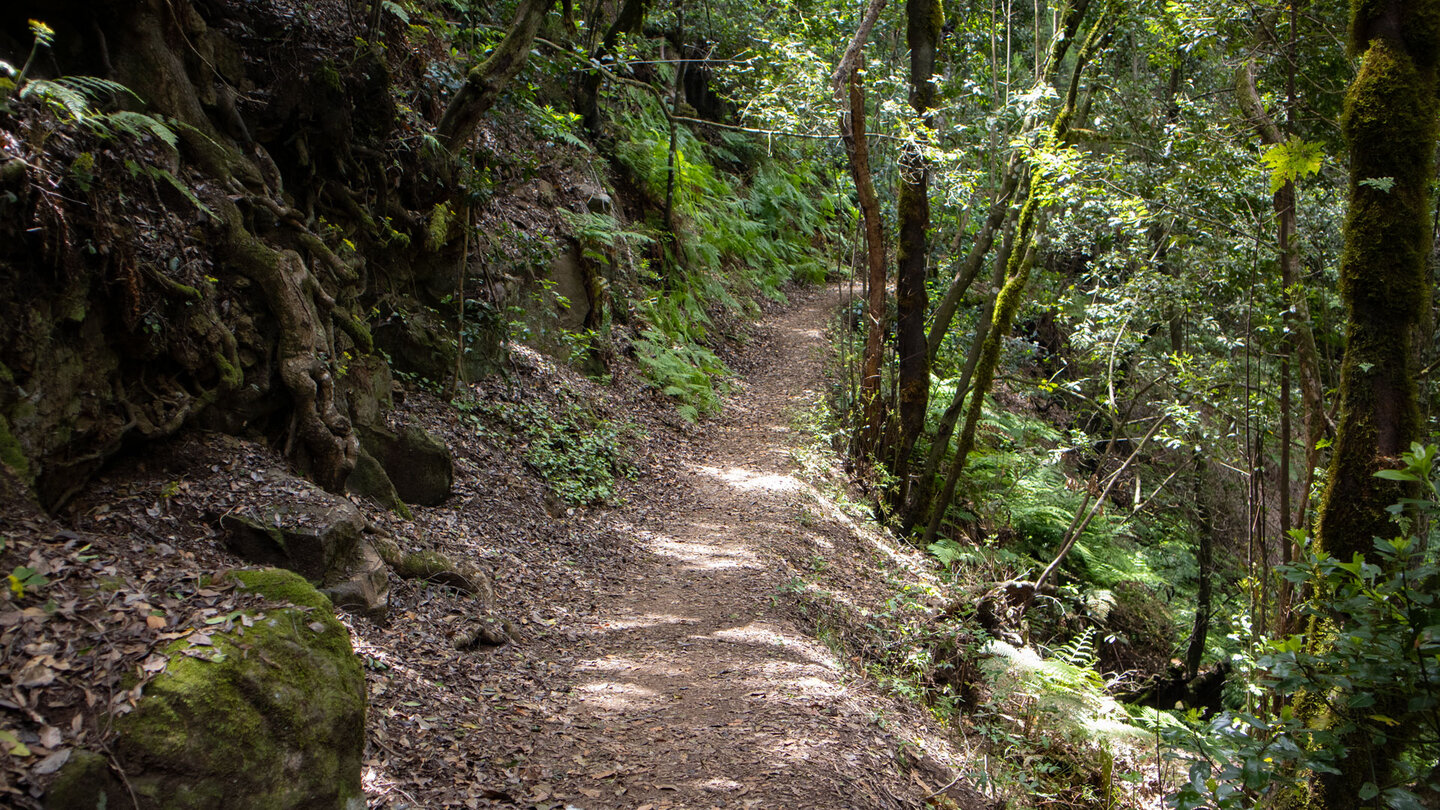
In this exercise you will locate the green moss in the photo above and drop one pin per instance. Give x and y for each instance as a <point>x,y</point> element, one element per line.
<point>84,784</point>
<point>423,565</point>
<point>12,455</point>
<point>267,716</point>
<point>284,586</point>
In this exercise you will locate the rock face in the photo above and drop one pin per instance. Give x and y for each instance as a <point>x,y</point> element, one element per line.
<point>369,480</point>
<point>569,278</point>
<point>268,716</point>
<point>317,535</point>
<point>418,464</point>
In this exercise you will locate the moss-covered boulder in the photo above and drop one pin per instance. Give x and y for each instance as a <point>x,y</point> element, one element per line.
<point>437,568</point>
<point>417,463</point>
<point>266,716</point>
<point>85,783</point>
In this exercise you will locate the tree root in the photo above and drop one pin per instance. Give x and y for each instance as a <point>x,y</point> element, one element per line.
<point>302,309</point>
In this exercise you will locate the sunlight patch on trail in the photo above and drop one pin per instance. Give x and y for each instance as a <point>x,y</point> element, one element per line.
<point>648,620</point>
<point>754,633</point>
<point>701,555</point>
<point>749,480</point>
<point>616,696</point>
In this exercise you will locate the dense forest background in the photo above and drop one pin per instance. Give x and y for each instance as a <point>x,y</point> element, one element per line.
<point>1137,346</point>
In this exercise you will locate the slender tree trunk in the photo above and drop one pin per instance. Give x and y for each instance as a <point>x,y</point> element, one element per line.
<point>923,492</point>
<point>922,34</point>
<point>872,405</point>
<point>587,101</point>
<point>677,92</point>
<point>1204,555</point>
<point>1002,207</point>
<point>846,83</point>
<point>1297,315</point>
<point>1002,211</point>
<point>1389,122</point>
<point>485,81</point>
<point>1017,275</point>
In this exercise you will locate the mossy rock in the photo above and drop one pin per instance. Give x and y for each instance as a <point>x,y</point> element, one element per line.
<point>270,716</point>
<point>85,783</point>
<point>369,480</point>
<point>439,569</point>
<point>417,463</point>
<point>315,534</point>
<point>310,533</point>
<point>12,455</point>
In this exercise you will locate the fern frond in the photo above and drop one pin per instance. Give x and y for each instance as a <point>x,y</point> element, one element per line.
<point>68,103</point>
<point>138,125</point>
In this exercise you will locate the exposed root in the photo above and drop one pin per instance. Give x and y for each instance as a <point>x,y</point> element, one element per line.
<point>303,310</point>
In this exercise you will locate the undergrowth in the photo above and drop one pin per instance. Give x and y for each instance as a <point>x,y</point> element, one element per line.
<point>578,454</point>
<point>729,241</point>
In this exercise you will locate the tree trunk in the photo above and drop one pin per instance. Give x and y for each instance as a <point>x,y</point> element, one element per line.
<point>485,81</point>
<point>922,34</point>
<point>587,101</point>
<point>922,493</point>
<point>1002,207</point>
<point>1389,122</point>
<point>1297,316</point>
<point>857,149</point>
<point>867,438</point>
<point>1017,274</point>
<point>1204,546</point>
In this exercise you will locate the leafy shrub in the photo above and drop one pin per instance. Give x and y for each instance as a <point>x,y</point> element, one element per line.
<point>1376,672</point>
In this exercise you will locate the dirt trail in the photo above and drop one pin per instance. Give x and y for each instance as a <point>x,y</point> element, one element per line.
<point>695,687</point>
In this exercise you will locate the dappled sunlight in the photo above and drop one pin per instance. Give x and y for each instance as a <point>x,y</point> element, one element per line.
<point>614,663</point>
<point>648,620</point>
<point>751,481</point>
<point>703,555</point>
<point>616,695</point>
<point>755,633</point>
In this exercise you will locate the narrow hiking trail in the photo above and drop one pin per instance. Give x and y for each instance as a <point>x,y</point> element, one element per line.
<point>694,685</point>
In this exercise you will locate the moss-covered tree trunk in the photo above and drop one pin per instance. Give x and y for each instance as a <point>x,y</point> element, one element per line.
<point>923,20</point>
<point>1389,122</point>
<point>485,81</point>
<point>1017,274</point>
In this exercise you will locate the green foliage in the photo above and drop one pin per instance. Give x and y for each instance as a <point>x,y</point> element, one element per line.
<point>1058,705</point>
<point>1373,664</point>
<point>578,454</point>
<point>22,579</point>
<point>689,372</point>
<point>1292,161</point>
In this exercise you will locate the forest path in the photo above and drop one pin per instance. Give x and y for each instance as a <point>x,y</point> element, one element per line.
<point>695,686</point>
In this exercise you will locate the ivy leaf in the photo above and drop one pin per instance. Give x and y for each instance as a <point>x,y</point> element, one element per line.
<point>1293,160</point>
